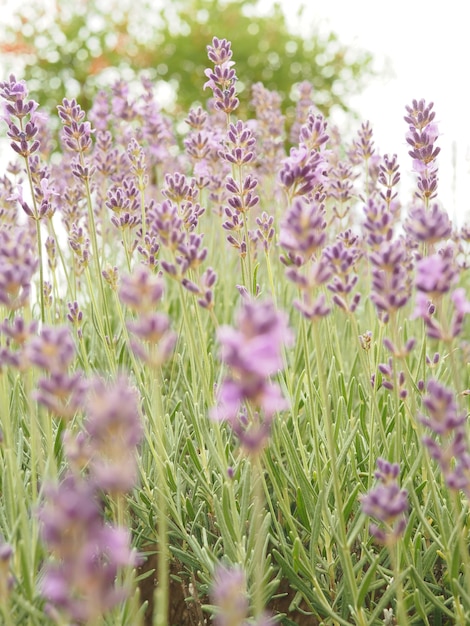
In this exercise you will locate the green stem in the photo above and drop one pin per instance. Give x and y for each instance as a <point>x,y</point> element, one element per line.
<point>259,538</point>
<point>343,547</point>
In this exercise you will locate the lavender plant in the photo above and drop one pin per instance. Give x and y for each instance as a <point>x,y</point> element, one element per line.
<point>236,353</point>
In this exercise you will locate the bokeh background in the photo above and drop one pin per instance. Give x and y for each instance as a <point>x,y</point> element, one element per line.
<point>366,59</point>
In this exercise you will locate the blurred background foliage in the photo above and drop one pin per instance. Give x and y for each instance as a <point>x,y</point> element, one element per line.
<point>70,48</point>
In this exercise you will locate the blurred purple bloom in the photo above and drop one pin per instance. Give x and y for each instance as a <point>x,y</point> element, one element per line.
<point>229,594</point>
<point>448,442</point>
<point>86,554</point>
<point>428,225</point>
<point>303,228</point>
<point>7,579</point>
<point>53,350</point>
<point>114,429</point>
<point>435,274</point>
<point>222,78</point>
<point>253,352</point>
<point>387,503</point>
<point>421,137</point>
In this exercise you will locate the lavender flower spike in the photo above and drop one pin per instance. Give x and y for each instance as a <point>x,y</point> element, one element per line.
<point>230,596</point>
<point>79,582</point>
<point>253,352</point>
<point>387,503</point>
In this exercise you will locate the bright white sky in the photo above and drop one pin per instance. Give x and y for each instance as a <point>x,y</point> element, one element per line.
<point>428,45</point>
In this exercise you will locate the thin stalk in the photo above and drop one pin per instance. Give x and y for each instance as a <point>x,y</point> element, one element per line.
<point>311,405</point>
<point>343,548</point>
<point>259,538</point>
<point>37,219</point>
<point>162,592</point>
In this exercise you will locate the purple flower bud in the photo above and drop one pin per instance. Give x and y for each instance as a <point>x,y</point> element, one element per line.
<point>53,350</point>
<point>79,581</point>
<point>387,503</point>
<point>229,595</point>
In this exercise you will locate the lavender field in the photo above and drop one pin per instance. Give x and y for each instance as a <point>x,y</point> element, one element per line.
<point>234,374</point>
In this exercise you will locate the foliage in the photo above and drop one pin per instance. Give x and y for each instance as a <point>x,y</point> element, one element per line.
<point>76,47</point>
<point>227,357</point>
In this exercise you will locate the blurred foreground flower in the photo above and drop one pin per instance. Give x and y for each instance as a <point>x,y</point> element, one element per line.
<point>447,443</point>
<point>229,595</point>
<point>247,398</point>
<point>86,554</point>
<point>387,503</point>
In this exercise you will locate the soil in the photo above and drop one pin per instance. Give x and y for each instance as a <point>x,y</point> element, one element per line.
<point>185,606</point>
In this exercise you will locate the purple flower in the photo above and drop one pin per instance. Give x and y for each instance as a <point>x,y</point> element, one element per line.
<point>61,394</point>
<point>53,350</point>
<point>142,290</point>
<point>442,412</point>
<point>303,227</point>
<point>302,171</point>
<point>428,225</point>
<point>222,78</point>
<point>86,554</point>
<point>448,443</point>
<point>229,594</point>
<point>18,263</point>
<point>254,347</point>
<point>7,579</point>
<point>253,352</point>
<point>21,131</point>
<point>387,503</point>
<point>421,136</point>
<point>435,274</point>
<point>114,429</point>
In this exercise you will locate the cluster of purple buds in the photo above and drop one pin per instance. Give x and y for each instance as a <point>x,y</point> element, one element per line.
<point>448,443</point>
<point>363,151</point>
<point>265,232</point>
<point>142,292</point>
<point>389,177</point>
<point>17,333</point>
<point>112,431</point>
<point>435,274</point>
<point>391,281</point>
<point>437,329</point>
<point>79,242</point>
<point>86,553</point>
<point>53,350</point>
<point>268,128</point>
<point>19,114</point>
<point>339,185</point>
<point>379,221</point>
<point>229,595</point>
<point>430,225</point>
<point>7,579</point>
<point>304,106</point>
<point>421,136</point>
<point>18,263</point>
<point>239,153</point>
<point>174,232</point>
<point>247,398</point>
<point>392,379</point>
<point>76,135</point>
<point>303,229</point>
<point>184,193</point>
<point>343,256</point>
<point>363,146</point>
<point>303,171</point>
<point>386,503</point>
<point>222,78</point>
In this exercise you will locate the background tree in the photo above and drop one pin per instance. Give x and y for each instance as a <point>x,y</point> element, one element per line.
<point>72,48</point>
